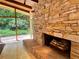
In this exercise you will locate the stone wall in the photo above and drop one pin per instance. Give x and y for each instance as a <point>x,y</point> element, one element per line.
<point>56,17</point>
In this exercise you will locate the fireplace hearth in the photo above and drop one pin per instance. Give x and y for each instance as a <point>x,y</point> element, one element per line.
<point>60,45</point>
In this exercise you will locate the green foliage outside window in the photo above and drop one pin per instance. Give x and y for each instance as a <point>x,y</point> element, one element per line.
<point>8,25</point>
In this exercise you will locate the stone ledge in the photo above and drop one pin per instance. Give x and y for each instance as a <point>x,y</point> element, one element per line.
<point>42,52</point>
<point>29,44</point>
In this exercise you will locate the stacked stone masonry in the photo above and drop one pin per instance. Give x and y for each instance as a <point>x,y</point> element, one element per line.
<point>56,16</point>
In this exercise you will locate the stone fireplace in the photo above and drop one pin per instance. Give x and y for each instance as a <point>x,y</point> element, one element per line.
<point>60,45</point>
<point>59,19</point>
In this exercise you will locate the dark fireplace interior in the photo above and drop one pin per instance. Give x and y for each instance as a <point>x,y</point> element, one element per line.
<point>62,46</point>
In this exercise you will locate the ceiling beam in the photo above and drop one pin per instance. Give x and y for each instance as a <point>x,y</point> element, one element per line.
<point>15,6</point>
<point>16,2</point>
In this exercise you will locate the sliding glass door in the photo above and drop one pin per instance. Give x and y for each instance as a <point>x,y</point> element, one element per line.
<point>23,25</point>
<point>14,24</point>
<point>7,29</point>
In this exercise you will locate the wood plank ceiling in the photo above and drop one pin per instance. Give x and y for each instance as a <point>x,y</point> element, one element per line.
<point>24,5</point>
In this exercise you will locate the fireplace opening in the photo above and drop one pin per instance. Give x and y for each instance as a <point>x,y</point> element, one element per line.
<point>60,45</point>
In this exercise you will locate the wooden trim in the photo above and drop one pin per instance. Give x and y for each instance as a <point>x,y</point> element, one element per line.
<point>14,7</point>
<point>27,6</point>
<point>16,26</point>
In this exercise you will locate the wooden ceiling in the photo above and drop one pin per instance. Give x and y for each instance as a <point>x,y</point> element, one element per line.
<point>19,4</point>
<point>35,1</point>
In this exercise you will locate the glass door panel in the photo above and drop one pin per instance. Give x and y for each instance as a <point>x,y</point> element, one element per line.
<point>7,30</point>
<point>23,25</point>
<point>23,28</point>
<point>21,14</point>
<point>6,11</point>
